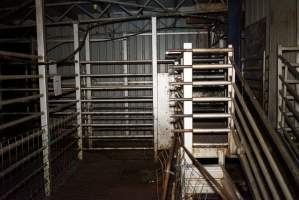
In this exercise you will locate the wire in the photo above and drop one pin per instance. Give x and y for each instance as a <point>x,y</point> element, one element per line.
<point>123,19</point>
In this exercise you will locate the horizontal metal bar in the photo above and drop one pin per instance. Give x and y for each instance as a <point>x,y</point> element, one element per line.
<point>211,115</point>
<point>117,100</point>
<point>62,100</point>
<point>290,48</point>
<point>117,125</point>
<point>19,113</point>
<point>121,87</point>
<point>202,99</point>
<point>117,148</point>
<point>14,55</point>
<point>200,50</point>
<point>210,145</point>
<point>118,113</point>
<point>105,118</point>
<point>19,142</point>
<point>63,106</point>
<point>119,136</point>
<point>16,77</point>
<point>203,66</point>
<point>202,83</point>
<point>112,83</point>
<point>114,75</point>
<point>19,121</point>
<point>20,162</point>
<point>203,115</point>
<point>211,130</point>
<point>20,100</point>
<point>19,89</point>
<point>124,62</point>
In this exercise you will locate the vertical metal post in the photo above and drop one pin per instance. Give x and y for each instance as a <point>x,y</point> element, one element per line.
<point>188,94</point>
<point>43,89</point>
<point>264,80</point>
<point>78,91</point>
<point>88,92</point>
<point>155,82</point>
<point>231,109</point>
<point>125,57</point>
<point>279,86</point>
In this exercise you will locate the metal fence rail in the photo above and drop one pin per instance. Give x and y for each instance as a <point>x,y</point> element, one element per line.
<point>263,153</point>
<point>33,162</point>
<point>288,99</point>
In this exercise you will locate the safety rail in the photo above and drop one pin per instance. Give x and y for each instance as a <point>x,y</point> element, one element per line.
<point>39,138</point>
<point>288,99</point>
<point>268,165</point>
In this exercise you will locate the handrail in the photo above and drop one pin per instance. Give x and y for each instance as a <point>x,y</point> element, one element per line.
<point>268,150</point>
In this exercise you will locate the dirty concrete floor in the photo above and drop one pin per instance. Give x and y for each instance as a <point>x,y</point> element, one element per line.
<point>111,175</point>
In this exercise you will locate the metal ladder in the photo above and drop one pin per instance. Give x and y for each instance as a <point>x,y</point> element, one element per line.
<point>204,90</point>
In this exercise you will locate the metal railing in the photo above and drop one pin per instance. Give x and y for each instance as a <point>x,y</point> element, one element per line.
<point>39,130</point>
<point>288,99</point>
<point>265,158</point>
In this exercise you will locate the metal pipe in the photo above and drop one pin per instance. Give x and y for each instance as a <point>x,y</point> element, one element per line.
<point>125,62</point>
<point>14,55</point>
<point>293,166</point>
<point>64,106</point>
<point>19,142</point>
<point>200,50</point>
<point>223,193</point>
<point>115,75</point>
<point>246,167</point>
<point>120,87</point>
<point>117,100</point>
<point>268,152</point>
<point>15,77</point>
<point>20,100</point>
<point>19,121</point>
<point>20,162</point>
<point>252,162</point>
<point>117,113</point>
<point>165,185</point>
<point>119,136</point>
<point>117,148</point>
<point>117,125</point>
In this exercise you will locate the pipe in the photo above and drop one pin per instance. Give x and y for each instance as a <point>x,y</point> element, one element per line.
<point>20,100</point>
<point>16,77</point>
<point>252,162</point>
<point>268,152</point>
<point>124,62</point>
<point>224,194</point>
<point>117,148</point>
<point>293,167</point>
<point>115,75</point>
<point>19,121</point>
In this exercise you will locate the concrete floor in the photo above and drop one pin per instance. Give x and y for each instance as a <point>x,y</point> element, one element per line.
<point>109,175</point>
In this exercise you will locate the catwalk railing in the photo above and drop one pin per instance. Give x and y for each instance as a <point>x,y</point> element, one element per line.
<point>35,159</point>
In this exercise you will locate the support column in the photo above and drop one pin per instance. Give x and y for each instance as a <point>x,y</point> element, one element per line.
<point>43,89</point>
<point>88,92</point>
<point>155,82</point>
<point>126,92</point>
<point>78,91</point>
<point>188,94</point>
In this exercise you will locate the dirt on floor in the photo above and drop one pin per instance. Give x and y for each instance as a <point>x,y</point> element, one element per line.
<point>111,175</point>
